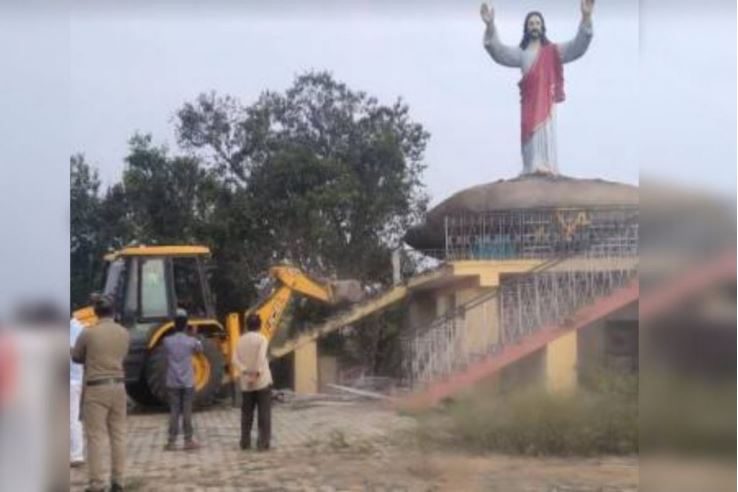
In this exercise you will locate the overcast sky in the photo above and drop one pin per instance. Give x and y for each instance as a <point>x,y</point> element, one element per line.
<point>131,70</point>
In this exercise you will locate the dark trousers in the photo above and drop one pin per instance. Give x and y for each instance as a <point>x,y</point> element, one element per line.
<point>261,399</point>
<point>180,405</point>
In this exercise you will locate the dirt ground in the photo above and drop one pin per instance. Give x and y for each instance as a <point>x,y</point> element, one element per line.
<point>336,446</point>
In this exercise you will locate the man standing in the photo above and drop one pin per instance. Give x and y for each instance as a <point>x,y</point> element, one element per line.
<point>250,360</point>
<point>76,440</point>
<point>180,381</point>
<point>102,349</point>
<point>542,85</point>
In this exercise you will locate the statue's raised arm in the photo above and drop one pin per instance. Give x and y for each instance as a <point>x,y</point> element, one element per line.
<point>573,49</point>
<point>508,56</point>
<point>587,8</point>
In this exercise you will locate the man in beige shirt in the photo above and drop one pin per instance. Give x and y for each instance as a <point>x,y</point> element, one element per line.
<point>255,377</point>
<point>102,348</point>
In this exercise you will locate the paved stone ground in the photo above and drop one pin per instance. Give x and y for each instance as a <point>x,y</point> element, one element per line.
<point>336,446</point>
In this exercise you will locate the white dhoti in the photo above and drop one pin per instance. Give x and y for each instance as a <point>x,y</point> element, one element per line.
<point>539,152</point>
<point>76,440</point>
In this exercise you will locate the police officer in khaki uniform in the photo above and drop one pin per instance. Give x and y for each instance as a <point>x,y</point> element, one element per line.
<point>102,348</point>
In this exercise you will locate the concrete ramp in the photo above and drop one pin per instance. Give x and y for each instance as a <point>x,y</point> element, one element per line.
<point>473,373</point>
<point>351,315</point>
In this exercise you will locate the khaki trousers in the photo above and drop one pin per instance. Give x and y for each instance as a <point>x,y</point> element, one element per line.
<point>104,413</point>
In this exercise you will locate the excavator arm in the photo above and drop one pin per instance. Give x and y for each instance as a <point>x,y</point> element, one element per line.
<point>288,281</point>
<point>299,282</point>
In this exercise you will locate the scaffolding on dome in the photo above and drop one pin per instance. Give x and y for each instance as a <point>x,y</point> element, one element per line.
<point>540,234</point>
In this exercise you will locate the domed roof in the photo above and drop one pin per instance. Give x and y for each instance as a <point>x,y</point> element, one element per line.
<point>531,191</point>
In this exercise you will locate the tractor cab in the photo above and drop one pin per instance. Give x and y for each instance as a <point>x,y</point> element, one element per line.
<point>148,283</point>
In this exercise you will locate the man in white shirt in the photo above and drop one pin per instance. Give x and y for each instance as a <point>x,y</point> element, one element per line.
<point>76,373</point>
<point>255,377</point>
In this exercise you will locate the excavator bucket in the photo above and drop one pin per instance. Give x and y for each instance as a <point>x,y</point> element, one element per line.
<point>347,291</point>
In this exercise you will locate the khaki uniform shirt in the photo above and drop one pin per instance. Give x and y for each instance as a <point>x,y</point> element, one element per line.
<point>251,362</point>
<point>102,348</point>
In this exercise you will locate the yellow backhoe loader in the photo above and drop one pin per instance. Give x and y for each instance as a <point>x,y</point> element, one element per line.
<point>148,284</point>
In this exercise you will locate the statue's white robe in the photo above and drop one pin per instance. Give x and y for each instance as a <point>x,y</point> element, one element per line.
<point>539,151</point>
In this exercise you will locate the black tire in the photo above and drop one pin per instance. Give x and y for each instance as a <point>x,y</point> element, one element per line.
<point>140,393</point>
<point>156,372</point>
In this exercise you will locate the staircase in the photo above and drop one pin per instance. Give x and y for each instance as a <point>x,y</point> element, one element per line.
<point>534,308</point>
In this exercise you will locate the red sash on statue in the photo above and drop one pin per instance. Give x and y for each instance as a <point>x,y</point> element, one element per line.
<point>540,88</point>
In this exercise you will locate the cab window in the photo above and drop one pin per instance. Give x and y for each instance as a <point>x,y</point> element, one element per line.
<point>153,288</point>
<point>188,287</point>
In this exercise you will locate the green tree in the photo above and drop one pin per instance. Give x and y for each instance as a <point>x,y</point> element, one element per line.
<point>168,200</point>
<point>116,229</point>
<point>85,248</point>
<point>333,178</point>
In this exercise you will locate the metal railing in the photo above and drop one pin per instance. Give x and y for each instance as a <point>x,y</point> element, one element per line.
<point>525,303</point>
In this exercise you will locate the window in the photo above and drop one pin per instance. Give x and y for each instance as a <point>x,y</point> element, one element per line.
<point>113,278</point>
<point>153,289</point>
<point>188,286</point>
<point>130,309</point>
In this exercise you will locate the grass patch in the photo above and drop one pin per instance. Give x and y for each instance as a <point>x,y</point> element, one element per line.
<point>602,420</point>
<point>688,415</point>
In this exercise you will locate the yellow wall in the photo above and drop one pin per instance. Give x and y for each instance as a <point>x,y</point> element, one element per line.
<point>561,363</point>
<point>328,371</point>
<point>306,369</point>
<point>488,272</point>
<point>421,310</point>
<point>445,302</point>
<point>591,349</point>
<point>482,320</point>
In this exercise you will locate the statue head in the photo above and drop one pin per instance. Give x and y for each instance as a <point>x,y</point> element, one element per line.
<point>534,27</point>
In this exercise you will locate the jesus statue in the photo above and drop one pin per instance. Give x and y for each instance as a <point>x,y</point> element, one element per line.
<point>542,85</point>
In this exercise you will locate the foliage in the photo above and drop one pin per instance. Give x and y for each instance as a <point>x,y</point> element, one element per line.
<point>332,175</point>
<point>534,421</point>
<point>85,220</point>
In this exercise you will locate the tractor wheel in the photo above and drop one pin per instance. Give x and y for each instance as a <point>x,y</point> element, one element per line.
<point>208,369</point>
<point>140,393</point>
